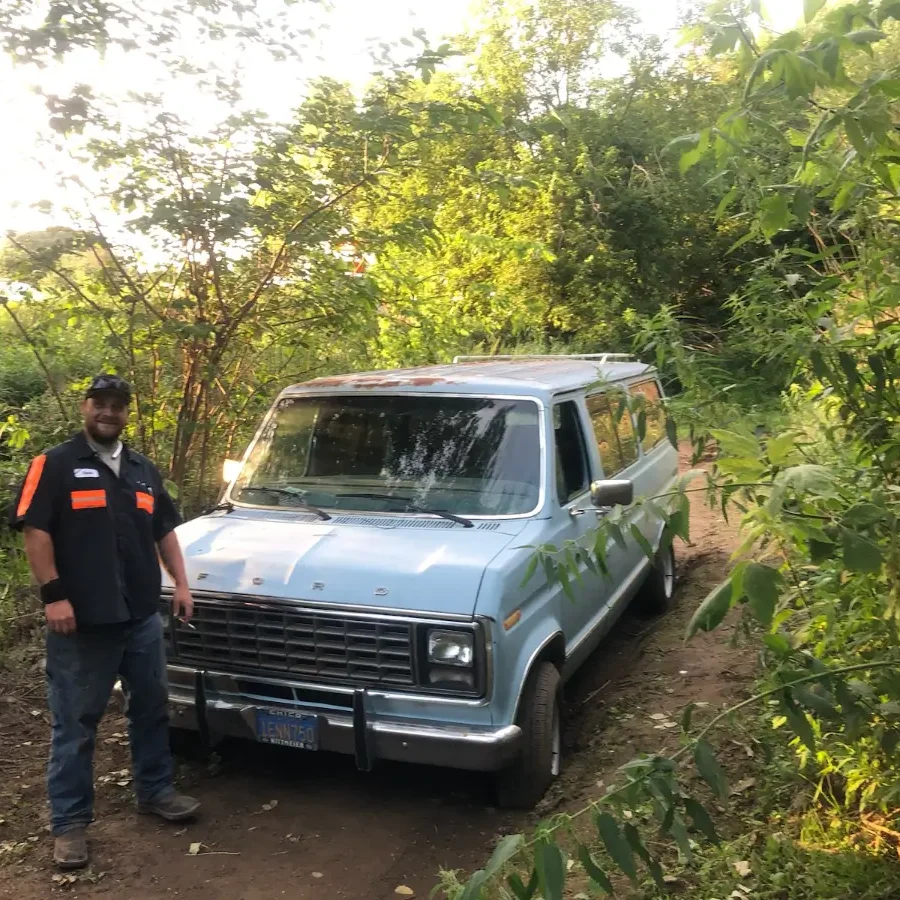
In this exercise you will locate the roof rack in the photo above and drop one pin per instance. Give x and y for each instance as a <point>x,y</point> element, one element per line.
<point>592,357</point>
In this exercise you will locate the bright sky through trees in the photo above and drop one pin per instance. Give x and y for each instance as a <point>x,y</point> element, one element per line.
<point>342,52</point>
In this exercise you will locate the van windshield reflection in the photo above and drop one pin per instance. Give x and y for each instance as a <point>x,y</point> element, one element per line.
<point>465,456</point>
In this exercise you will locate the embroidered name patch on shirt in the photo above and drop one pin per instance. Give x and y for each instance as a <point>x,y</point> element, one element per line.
<point>87,473</point>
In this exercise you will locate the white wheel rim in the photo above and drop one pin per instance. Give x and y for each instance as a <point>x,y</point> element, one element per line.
<point>556,742</point>
<point>668,573</point>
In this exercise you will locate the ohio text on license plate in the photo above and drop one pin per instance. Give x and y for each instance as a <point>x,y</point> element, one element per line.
<point>289,729</point>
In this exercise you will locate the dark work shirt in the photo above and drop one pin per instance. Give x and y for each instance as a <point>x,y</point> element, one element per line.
<point>104,527</point>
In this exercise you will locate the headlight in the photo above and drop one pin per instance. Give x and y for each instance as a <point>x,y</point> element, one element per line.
<point>451,648</point>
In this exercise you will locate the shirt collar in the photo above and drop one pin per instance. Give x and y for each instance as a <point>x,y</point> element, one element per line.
<point>105,451</point>
<point>87,448</point>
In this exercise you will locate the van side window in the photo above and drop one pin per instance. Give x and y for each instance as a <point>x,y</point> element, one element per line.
<point>571,456</point>
<point>647,398</point>
<point>613,430</point>
<point>628,442</point>
<point>605,434</point>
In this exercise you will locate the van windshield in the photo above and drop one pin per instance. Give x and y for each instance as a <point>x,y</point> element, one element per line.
<point>462,455</point>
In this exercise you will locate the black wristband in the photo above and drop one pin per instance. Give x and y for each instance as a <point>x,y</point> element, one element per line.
<point>53,592</point>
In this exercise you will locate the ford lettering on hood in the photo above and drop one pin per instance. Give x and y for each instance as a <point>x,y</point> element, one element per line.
<point>401,563</point>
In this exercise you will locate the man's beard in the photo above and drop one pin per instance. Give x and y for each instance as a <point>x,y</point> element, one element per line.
<point>104,440</point>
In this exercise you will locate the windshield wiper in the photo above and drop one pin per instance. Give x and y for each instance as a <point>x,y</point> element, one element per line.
<point>294,493</point>
<point>411,506</point>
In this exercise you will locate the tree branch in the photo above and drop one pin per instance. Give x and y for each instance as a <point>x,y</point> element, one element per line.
<point>4,301</point>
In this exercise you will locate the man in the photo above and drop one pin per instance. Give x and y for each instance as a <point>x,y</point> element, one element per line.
<point>97,519</point>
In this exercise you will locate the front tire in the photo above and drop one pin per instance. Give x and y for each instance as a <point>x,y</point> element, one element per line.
<point>658,591</point>
<point>526,781</point>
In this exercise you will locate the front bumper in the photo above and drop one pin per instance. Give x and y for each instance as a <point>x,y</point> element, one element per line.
<point>216,704</point>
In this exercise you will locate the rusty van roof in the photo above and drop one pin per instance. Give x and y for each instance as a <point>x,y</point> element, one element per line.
<point>526,376</point>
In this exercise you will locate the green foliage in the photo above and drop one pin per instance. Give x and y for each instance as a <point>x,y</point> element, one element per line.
<point>817,575</point>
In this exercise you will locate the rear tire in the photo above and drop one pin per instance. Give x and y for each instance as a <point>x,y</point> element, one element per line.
<point>658,591</point>
<point>523,784</point>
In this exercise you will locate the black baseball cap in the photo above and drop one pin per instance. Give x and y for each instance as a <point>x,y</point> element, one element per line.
<point>109,384</point>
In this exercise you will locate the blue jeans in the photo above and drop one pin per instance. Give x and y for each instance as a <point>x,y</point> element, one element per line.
<point>81,673</point>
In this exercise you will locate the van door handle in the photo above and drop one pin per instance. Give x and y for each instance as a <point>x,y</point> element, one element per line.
<point>575,511</point>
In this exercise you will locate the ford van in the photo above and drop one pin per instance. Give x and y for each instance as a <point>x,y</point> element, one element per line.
<point>361,587</point>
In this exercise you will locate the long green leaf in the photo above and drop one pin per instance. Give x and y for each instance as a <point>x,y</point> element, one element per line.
<point>710,770</point>
<point>798,722</point>
<point>642,542</point>
<point>616,534</point>
<point>520,890</point>
<point>680,522</point>
<point>817,703</point>
<point>860,554</point>
<point>678,830</point>
<point>865,36</point>
<point>530,569</point>
<point>686,717</point>
<point>853,713</point>
<point>811,8</point>
<point>503,853</point>
<point>736,444</point>
<point>761,585</point>
<point>600,550</point>
<point>562,575</point>
<point>725,202</point>
<point>712,610</point>
<point>551,869</point>
<point>777,643</point>
<point>700,819</point>
<point>474,886</point>
<point>672,431</point>
<point>594,872</point>
<point>848,363</point>
<point>760,66</point>
<point>633,836</point>
<point>616,845</point>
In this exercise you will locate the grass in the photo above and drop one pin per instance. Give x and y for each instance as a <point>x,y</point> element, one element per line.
<point>778,844</point>
<point>806,859</point>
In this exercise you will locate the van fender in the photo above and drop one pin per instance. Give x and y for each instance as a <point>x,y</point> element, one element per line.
<point>544,644</point>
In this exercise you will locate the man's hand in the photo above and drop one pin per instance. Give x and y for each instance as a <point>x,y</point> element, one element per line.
<point>182,603</point>
<point>60,617</point>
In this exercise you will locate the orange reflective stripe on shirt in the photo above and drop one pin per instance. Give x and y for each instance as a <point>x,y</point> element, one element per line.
<point>88,499</point>
<point>32,480</point>
<point>144,501</point>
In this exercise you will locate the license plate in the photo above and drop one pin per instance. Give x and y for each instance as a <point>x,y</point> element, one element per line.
<point>288,729</point>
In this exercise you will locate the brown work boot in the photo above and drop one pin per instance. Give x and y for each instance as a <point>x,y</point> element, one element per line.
<point>172,808</point>
<point>70,850</point>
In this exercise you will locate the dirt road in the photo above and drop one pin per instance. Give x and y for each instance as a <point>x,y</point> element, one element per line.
<point>277,823</point>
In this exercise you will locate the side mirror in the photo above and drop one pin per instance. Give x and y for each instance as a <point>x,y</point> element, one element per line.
<point>605,494</point>
<point>230,469</point>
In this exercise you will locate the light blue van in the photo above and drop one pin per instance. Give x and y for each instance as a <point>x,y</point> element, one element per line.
<point>361,588</point>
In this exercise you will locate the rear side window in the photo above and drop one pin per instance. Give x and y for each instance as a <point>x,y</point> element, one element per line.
<point>571,453</point>
<point>647,403</point>
<point>605,433</point>
<point>613,431</point>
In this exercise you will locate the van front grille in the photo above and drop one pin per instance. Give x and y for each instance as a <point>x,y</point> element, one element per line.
<point>302,643</point>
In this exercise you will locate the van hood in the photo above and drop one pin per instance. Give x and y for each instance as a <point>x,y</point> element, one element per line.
<point>399,564</point>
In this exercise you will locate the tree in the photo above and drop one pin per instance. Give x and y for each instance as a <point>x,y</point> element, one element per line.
<point>222,276</point>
